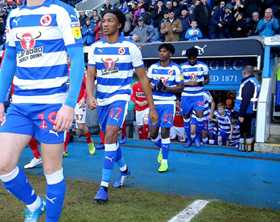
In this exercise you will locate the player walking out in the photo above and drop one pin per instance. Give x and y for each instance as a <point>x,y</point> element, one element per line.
<point>40,35</point>
<point>166,80</point>
<point>195,76</point>
<point>112,61</point>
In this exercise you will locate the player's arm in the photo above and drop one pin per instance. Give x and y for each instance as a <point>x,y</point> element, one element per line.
<point>69,27</point>
<point>206,74</point>
<point>8,69</point>
<point>138,65</point>
<point>179,83</point>
<point>91,74</point>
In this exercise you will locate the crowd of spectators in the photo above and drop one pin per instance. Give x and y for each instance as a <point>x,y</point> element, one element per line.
<point>178,20</point>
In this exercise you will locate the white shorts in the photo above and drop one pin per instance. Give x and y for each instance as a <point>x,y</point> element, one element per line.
<point>177,131</point>
<point>140,116</point>
<point>80,113</point>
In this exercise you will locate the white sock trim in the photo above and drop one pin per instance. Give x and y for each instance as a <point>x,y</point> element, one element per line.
<point>111,147</point>
<point>104,184</point>
<point>156,139</point>
<point>124,168</point>
<point>10,176</point>
<point>35,205</point>
<point>165,141</point>
<point>55,177</point>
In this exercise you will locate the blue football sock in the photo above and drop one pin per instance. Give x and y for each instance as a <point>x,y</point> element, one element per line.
<point>110,156</point>
<point>56,188</point>
<point>165,147</point>
<point>187,128</point>
<point>17,184</point>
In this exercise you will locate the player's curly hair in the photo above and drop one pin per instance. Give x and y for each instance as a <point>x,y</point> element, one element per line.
<point>120,16</point>
<point>192,52</point>
<point>169,47</point>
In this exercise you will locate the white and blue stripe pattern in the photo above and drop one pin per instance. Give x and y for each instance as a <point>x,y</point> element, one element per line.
<point>170,75</point>
<point>115,64</point>
<point>235,139</point>
<point>224,122</point>
<point>194,73</point>
<point>41,36</point>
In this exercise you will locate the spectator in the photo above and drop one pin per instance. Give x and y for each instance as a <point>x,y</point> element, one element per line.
<point>269,25</point>
<point>216,21</point>
<point>157,14</point>
<point>88,33</point>
<point>172,28</point>
<point>106,6</point>
<point>82,18</point>
<point>201,14</point>
<point>97,29</point>
<point>176,8</point>
<point>193,33</point>
<point>252,24</point>
<point>239,26</point>
<point>185,21</point>
<point>141,32</point>
<point>251,6</point>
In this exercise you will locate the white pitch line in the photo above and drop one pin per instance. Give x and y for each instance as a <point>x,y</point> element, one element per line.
<point>190,211</point>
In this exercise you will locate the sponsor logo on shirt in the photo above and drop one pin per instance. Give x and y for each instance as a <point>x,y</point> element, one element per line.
<point>28,43</point>
<point>110,66</point>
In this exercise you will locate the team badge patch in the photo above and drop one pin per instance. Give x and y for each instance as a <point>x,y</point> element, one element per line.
<point>46,20</point>
<point>121,50</point>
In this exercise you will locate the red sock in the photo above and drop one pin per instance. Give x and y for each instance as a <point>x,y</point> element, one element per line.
<point>102,137</point>
<point>34,148</point>
<point>88,137</point>
<point>66,141</point>
<point>124,130</point>
<point>145,131</point>
<point>140,132</point>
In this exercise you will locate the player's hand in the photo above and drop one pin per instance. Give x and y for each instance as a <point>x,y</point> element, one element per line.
<point>64,118</point>
<point>2,113</point>
<point>153,115</point>
<point>241,119</point>
<point>91,102</point>
<point>161,87</point>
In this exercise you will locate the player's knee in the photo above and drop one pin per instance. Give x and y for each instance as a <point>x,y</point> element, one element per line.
<point>165,132</point>
<point>6,167</point>
<point>153,133</point>
<point>111,135</point>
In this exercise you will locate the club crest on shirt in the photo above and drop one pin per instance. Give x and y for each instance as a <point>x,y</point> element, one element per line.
<point>170,72</point>
<point>110,66</point>
<point>121,50</point>
<point>46,20</point>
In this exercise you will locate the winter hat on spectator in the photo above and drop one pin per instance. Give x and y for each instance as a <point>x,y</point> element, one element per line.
<point>120,16</point>
<point>229,6</point>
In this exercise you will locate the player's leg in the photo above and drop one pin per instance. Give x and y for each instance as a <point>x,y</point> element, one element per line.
<point>85,131</point>
<point>36,160</point>
<point>197,122</point>
<point>67,137</point>
<point>187,107</point>
<point>111,118</point>
<point>154,133</point>
<point>166,123</point>
<point>13,178</point>
<point>15,134</point>
<point>56,186</point>
<point>123,133</point>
